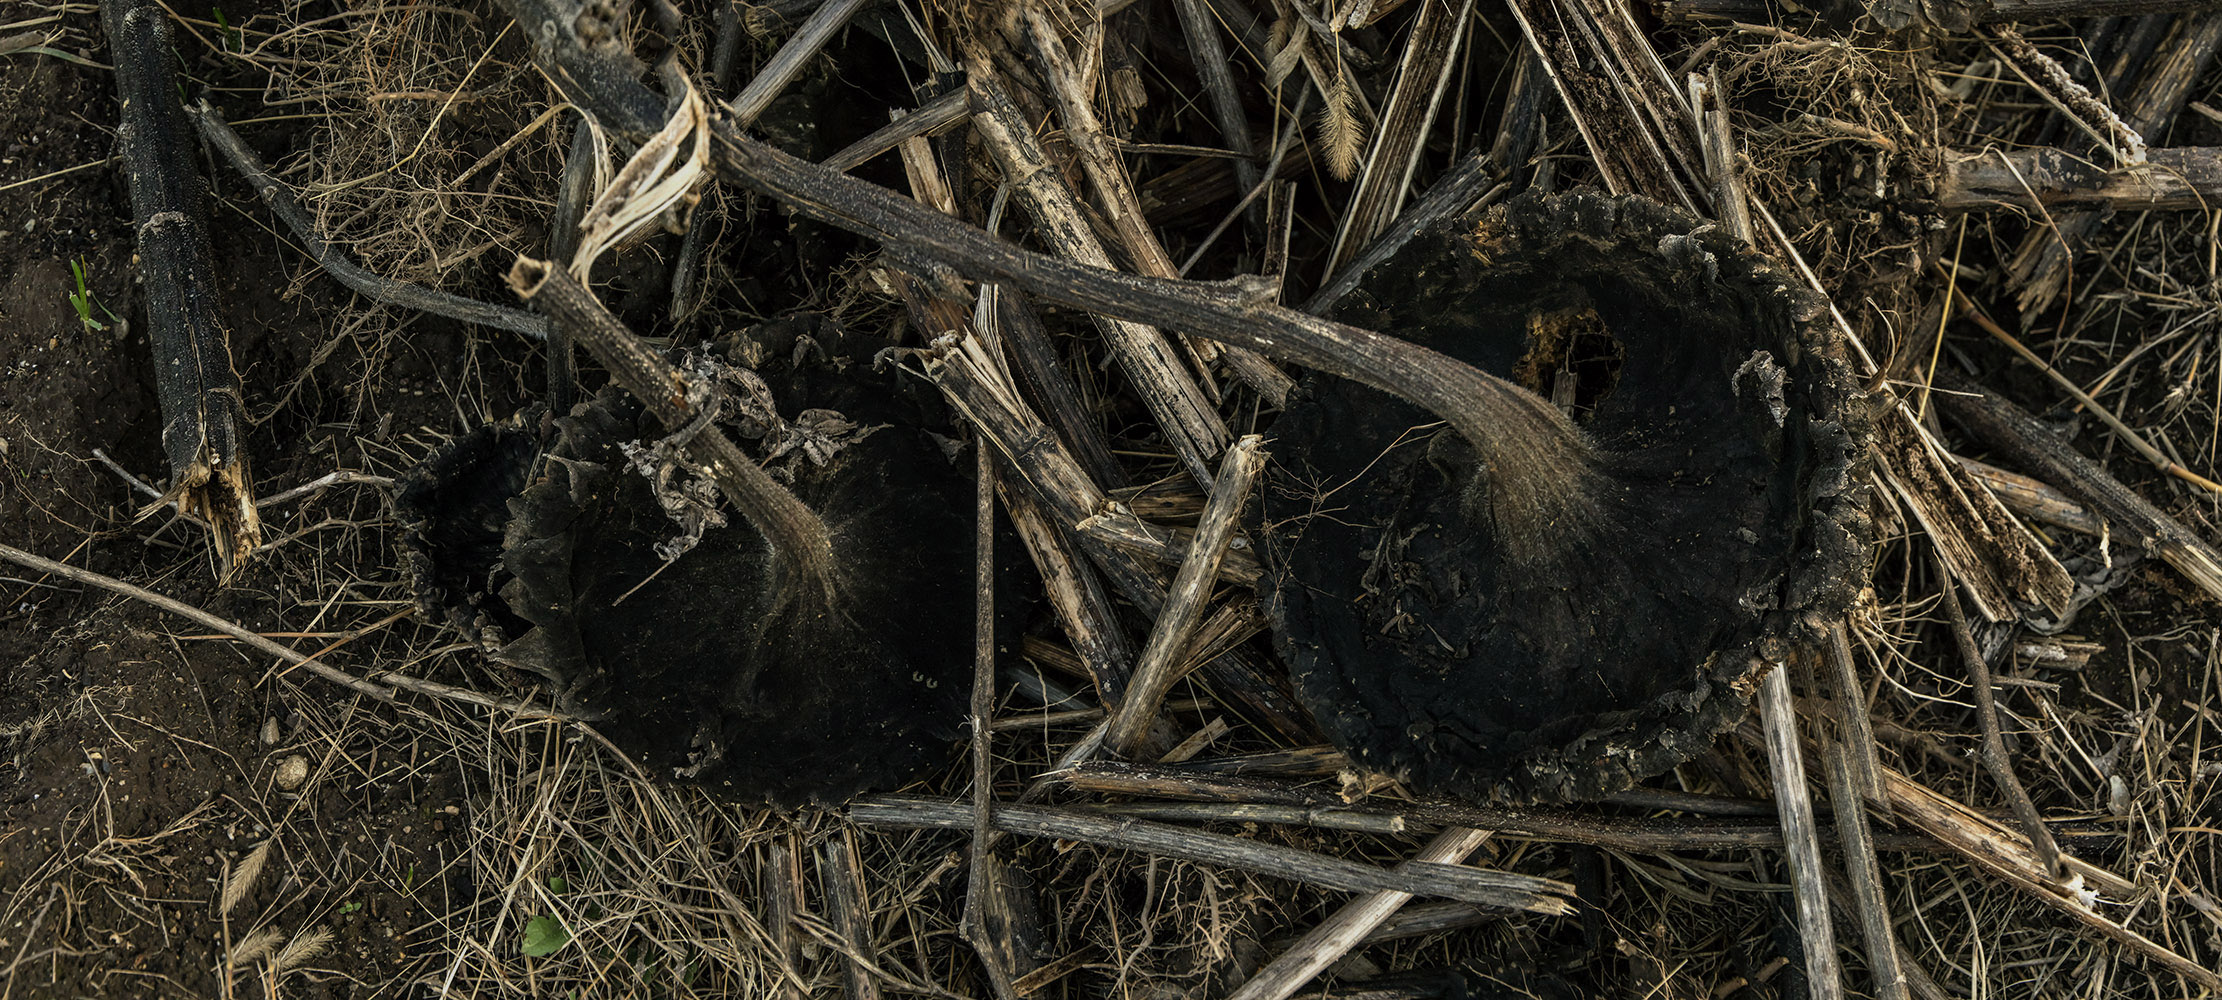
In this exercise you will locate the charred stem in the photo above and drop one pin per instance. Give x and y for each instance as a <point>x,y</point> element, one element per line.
<point>799,541</point>
<point>202,408</point>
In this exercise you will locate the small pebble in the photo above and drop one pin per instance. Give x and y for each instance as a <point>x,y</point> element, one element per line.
<point>270,731</point>
<point>292,771</point>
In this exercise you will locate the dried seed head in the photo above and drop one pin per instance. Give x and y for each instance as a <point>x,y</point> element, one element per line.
<point>1341,131</point>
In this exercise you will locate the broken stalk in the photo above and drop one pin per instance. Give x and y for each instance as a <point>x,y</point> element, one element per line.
<point>202,407</point>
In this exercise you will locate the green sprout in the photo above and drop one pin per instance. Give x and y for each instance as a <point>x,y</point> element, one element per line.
<point>545,935</point>
<point>230,39</point>
<point>84,302</point>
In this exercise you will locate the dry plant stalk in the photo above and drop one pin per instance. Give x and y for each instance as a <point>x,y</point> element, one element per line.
<point>1629,112</point>
<point>1116,194</point>
<point>1800,834</point>
<point>280,198</point>
<point>2151,91</point>
<point>1155,673</point>
<point>1184,413</point>
<point>1503,890</point>
<point>2087,111</point>
<point>202,409</point>
<point>797,535</point>
<point>2021,437</point>
<point>1423,75</point>
<point>656,181</point>
<point>2007,856</point>
<point>1348,928</point>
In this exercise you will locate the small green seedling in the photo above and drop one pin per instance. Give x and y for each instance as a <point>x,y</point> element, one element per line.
<point>84,302</point>
<point>544,936</point>
<point>230,38</point>
<point>349,908</point>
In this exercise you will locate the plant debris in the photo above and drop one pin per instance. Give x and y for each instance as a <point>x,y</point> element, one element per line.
<point>1558,655</point>
<point>1113,236</point>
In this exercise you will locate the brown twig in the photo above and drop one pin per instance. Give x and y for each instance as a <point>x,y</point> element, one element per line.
<point>2032,498</point>
<point>2150,90</point>
<point>1994,747</point>
<point>1473,885</point>
<point>1338,934</point>
<point>1076,595</point>
<point>784,905</point>
<point>296,659</point>
<point>1317,817</point>
<point>979,887</point>
<point>1855,781</point>
<point>1423,74</point>
<point>792,56</point>
<point>1033,452</point>
<point>2038,449</point>
<point>848,902</point>
<point>1863,876</point>
<point>1118,526</point>
<point>1186,416</point>
<point>948,109</point>
<point>1115,191</point>
<point>280,199</point>
<point>1154,673</point>
<point>2183,178</point>
<point>1630,114</point>
<point>2006,855</point>
<point>182,609</point>
<point>1042,374</point>
<point>1990,553</point>
<point>1198,782</point>
<point>1209,56</point>
<point>2106,416</point>
<point>686,265</point>
<point>2069,97</point>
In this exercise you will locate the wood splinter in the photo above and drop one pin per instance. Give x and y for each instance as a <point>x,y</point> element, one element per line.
<point>202,406</point>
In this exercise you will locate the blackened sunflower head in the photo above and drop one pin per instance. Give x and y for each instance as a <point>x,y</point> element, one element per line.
<point>1557,616</point>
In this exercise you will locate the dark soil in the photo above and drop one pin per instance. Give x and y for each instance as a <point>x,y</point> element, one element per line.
<point>138,762</point>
